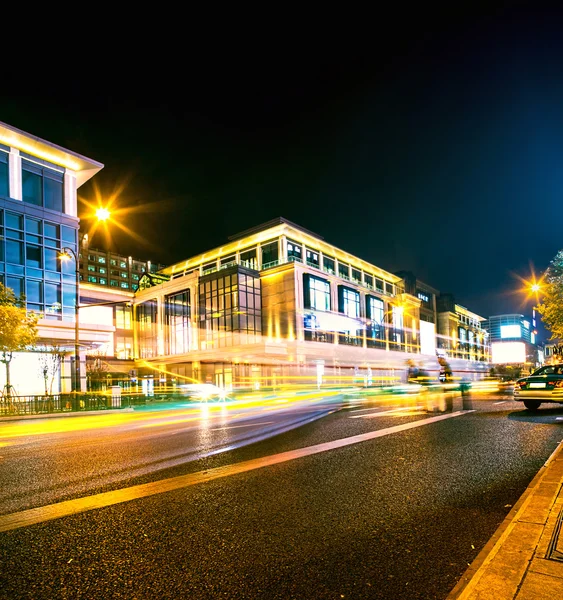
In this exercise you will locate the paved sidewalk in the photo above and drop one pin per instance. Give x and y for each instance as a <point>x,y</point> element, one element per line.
<point>524,558</point>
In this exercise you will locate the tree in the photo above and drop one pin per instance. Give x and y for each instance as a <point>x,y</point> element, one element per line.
<point>551,306</point>
<point>50,365</point>
<point>18,329</point>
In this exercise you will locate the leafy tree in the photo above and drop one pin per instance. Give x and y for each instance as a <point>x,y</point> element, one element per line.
<point>18,329</point>
<point>551,306</point>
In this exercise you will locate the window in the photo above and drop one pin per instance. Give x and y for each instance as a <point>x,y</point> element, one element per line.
<point>248,259</point>
<point>343,271</point>
<point>179,326</point>
<point>92,268</point>
<point>102,260</point>
<point>356,276</point>
<point>294,251</point>
<point>122,264</point>
<point>92,279</point>
<point>123,317</point>
<point>124,285</point>
<point>42,183</point>
<point>103,281</point>
<point>329,265</point>
<point>368,281</point>
<point>102,270</point>
<point>375,331</point>
<point>113,283</point>
<point>349,302</point>
<point>124,275</point>
<point>316,293</point>
<point>269,254</point>
<point>33,256</point>
<point>312,258</point>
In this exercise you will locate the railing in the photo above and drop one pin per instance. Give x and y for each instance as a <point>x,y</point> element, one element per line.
<point>59,403</point>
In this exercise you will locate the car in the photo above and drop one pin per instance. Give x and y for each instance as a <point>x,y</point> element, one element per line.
<point>543,385</point>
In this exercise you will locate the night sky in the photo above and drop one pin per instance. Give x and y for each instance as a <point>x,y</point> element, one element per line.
<point>432,144</point>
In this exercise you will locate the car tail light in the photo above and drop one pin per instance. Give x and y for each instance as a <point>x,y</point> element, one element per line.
<point>551,383</point>
<point>521,384</point>
<point>559,384</point>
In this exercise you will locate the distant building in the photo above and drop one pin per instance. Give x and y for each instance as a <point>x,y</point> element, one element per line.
<point>460,331</point>
<point>112,270</point>
<point>513,339</point>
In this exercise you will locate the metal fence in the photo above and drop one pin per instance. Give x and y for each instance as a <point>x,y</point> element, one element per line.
<point>11,405</point>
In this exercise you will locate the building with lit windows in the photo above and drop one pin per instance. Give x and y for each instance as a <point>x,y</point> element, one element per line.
<point>110,269</point>
<point>513,339</point>
<point>279,302</point>
<point>38,218</point>
<point>460,331</point>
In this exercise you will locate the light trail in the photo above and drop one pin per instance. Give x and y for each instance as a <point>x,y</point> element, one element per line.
<point>80,505</point>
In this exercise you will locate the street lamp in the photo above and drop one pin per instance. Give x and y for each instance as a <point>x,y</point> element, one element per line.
<point>65,254</point>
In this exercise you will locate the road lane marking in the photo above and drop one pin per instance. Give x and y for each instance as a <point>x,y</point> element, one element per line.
<point>41,514</point>
<point>501,402</point>
<point>237,426</point>
<point>385,412</point>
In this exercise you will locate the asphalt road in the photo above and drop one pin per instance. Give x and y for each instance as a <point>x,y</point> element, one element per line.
<point>360,499</point>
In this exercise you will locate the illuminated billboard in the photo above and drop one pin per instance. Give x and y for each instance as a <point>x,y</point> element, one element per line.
<point>508,352</point>
<point>427,338</point>
<point>510,331</point>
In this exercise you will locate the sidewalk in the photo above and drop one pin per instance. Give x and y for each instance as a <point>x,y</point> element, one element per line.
<point>524,558</point>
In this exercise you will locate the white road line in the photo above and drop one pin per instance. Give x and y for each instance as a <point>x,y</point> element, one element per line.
<point>236,426</point>
<point>385,412</point>
<point>501,402</point>
<point>41,514</point>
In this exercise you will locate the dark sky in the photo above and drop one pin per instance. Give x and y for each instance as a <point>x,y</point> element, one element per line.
<point>431,143</point>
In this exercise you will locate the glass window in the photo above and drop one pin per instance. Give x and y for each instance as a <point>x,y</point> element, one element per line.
<point>92,268</point>
<point>270,255</point>
<point>53,191</point>
<point>33,256</point>
<point>16,283</point>
<point>33,226</point>
<point>102,270</point>
<point>69,235</point>
<point>123,317</point>
<point>319,293</point>
<point>312,258</point>
<point>343,271</point>
<point>122,264</point>
<point>356,275</point>
<point>32,188</point>
<point>329,264</point>
<point>14,221</point>
<point>52,260</point>
<point>103,281</point>
<point>368,280</point>
<point>33,291</point>
<point>388,288</point>
<point>92,279</point>
<point>294,251</point>
<point>113,283</point>
<point>53,298</point>
<point>379,285</point>
<point>124,285</point>
<point>124,275</point>
<point>248,259</point>
<point>350,302</point>
<point>51,230</point>
<point>14,252</point>
<point>102,260</point>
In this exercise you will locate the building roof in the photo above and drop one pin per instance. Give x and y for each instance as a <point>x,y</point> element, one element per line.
<point>85,168</point>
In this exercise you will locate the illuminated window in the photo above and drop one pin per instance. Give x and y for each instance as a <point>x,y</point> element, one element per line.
<point>294,251</point>
<point>123,317</point>
<point>375,313</point>
<point>316,293</point>
<point>92,279</point>
<point>179,327</point>
<point>102,259</point>
<point>312,258</point>
<point>248,259</point>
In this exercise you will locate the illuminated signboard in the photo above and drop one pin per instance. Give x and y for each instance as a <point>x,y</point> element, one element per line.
<point>510,331</point>
<point>508,352</point>
<point>427,338</point>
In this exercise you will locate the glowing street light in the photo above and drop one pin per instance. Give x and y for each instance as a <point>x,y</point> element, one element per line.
<point>102,214</point>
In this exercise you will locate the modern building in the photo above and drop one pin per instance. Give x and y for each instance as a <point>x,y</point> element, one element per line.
<point>460,331</point>
<point>110,269</point>
<point>279,303</point>
<point>513,339</point>
<point>38,219</point>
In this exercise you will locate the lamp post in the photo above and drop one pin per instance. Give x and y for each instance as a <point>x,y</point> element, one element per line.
<point>67,253</point>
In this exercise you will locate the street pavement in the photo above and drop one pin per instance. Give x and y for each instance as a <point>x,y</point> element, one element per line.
<point>524,558</point>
